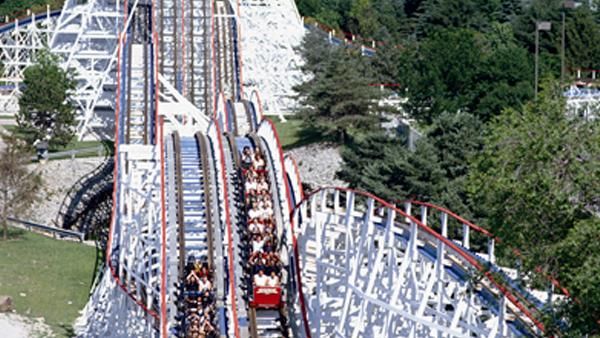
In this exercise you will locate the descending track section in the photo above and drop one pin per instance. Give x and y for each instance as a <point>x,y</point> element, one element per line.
<point>196,293</point>
<point>262,230</point>
<point>212,234</point>
<point>130,298</point>
<point>366,268</point>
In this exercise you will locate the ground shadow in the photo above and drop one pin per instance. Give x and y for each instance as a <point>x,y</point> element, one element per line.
<point>308,134</point>
<point>67,330</point>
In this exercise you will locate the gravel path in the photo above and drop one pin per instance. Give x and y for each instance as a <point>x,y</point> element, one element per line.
<point>318,164</point>
<point>58,177</point>
<point>15,326</point>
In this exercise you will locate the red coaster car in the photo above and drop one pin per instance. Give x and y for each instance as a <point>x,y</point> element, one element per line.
<point>266,297</point>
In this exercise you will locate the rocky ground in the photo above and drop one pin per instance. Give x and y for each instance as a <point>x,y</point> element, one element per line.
<point>318,164</point>
<point>15,326</point>
<point>58,177</point>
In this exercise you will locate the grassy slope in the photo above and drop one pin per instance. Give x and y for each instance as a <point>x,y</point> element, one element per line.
<point>293,133</point>
<point>51,273</point>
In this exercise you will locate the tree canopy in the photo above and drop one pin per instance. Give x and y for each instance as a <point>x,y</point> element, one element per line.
<point>337,99</point>
<point>44,110</point>
<point>489,150</point>
<point>538,177</point>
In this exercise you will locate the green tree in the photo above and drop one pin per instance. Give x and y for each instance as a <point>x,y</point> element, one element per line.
<point>337,99</point>
<point>392,20</point>
<point>18,185</point>
<point>471,14</point>
<point>308,7</point>
<point>363,18</point>
<point>537,176</point>
<point>435,171</point>
<point>505,76</point>
<point>582,39</point>
<point>462,70</point>
<point>440,73</point>
<point>582,30</point>
<point>549,41</point>
<point>510,10</point>
<point>384,166</point>
<point>44,110</point>
<point>579,254</point>
<point>386,63</point>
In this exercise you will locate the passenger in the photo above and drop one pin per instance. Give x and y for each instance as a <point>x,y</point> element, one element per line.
<point>256,227</point>
<point>194,327</point>
<point>268,247</point>
<point>192,305</point>
<point>273,280</point>
<point>247,158</point>
<point>208,312</point>
<point>192,278</point>
<point>275,262</point>
<point>254,212</point>
<point>268,229</point>
<point>206,329</point>
<point>250,186</point>
<point>260,279</point>
<point>204,284</point>
<point>257,244</point>
<point>194,317</point>
<point>203,271</point>
<point>266,212</point>
<point>259,161</point>
<point>255,259</point>
<point>206,299</point>
<point>262,185</point>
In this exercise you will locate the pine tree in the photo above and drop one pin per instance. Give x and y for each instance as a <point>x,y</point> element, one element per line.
<point>337,99</point>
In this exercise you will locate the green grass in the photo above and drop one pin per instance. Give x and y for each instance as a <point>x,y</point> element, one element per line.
<point>18,8</point>
<point>74,145</point>
<point>51,273</point>
<point>294,133</point>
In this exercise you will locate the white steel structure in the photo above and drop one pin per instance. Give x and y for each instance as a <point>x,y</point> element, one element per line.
<point>86,39</point>
<point>19,40</point>
<point>583,102</point>
<point>126,303</point>
<point>270,30</point>
<point>369,269</point>
<point>352,264</point>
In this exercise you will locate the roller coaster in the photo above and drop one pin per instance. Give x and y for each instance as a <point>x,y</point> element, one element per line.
<point>198,217</point>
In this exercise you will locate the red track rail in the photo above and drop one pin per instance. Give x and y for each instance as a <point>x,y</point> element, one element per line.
<point>115,189</point>
<point>224,179</point>
<point>468,258</point>
<point>488,234</point>
<point>291,208</point>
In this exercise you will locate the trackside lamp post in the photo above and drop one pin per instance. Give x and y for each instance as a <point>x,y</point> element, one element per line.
<point>539,26</point>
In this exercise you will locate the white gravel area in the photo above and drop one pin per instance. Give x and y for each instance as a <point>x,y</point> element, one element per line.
<point>58,176</point>
<point>15,326</point>
<point>318,164</point>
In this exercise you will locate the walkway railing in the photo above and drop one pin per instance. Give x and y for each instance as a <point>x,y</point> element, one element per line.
<point>99,150</point>
<point>55,232</point>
